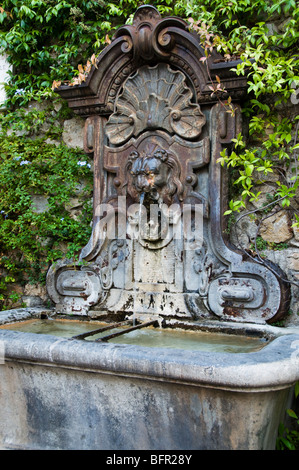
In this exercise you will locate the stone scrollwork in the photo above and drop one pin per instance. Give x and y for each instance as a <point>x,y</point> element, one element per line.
<point>236,296</point>
<point>74,289</point>
<point>109,261</point>
<point>155,98</point>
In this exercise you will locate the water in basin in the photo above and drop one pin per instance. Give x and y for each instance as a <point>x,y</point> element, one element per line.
<point>149,336</point>
<point>191,340</point>
<point>62,328</point>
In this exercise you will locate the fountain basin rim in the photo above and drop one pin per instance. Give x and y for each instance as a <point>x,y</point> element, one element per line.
<point>245,328</point>
<point>274,367</point>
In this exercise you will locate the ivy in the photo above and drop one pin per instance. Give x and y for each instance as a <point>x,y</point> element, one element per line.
<point>32,237</point>
<point>288,439</point>
<point>45,41</point>
<point>32,168</point>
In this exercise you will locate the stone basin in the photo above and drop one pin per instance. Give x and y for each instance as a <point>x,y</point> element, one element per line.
<point>63,393</point>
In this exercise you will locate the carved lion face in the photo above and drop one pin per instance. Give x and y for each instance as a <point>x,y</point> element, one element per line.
<point>155,176</point>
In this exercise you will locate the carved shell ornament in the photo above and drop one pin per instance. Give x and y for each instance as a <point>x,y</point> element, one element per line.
<point>154,98</point>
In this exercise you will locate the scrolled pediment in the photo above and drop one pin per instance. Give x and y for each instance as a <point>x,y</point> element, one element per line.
<point>150,40</point>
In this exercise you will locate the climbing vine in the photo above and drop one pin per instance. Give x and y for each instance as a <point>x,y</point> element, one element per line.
<point>263,36</point>
<point>39,183</point>
<point>266,44</point>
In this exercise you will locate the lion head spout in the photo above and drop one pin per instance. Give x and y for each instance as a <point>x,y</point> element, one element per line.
<point>155,175</point>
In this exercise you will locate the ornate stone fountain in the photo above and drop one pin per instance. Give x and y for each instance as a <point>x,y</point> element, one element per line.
<point>155,131</point>
<point>156,253</point>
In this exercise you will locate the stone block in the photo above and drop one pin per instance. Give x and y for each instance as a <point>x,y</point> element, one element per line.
<point>293,261</point>
<point>39,203</point>
<point>243,232</point>
<point>34,291</point>
<point>296,233</point>
<point>73,132</point>
<point>277,228</point>
<point>32,301</point>
<point>5,68</point>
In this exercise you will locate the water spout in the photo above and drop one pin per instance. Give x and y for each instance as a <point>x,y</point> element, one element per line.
<point>135,289</point>
<point>142,195</point>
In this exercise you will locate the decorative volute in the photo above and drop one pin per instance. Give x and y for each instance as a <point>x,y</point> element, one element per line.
<point>149,36</point>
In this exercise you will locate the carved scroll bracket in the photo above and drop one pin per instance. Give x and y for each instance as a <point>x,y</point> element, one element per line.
<point>148,36</point>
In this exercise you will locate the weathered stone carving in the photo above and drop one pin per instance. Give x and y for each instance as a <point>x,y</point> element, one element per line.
<point>156,176</point>
<point>184,159</point>
<point>155,98</point>
<point>148,36</point>
<point>157,245</point>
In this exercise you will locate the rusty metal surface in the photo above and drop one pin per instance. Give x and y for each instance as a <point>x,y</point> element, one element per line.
<point>110,326</point>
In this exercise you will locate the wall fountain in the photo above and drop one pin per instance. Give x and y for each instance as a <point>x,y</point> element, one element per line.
<point>157,281</point>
